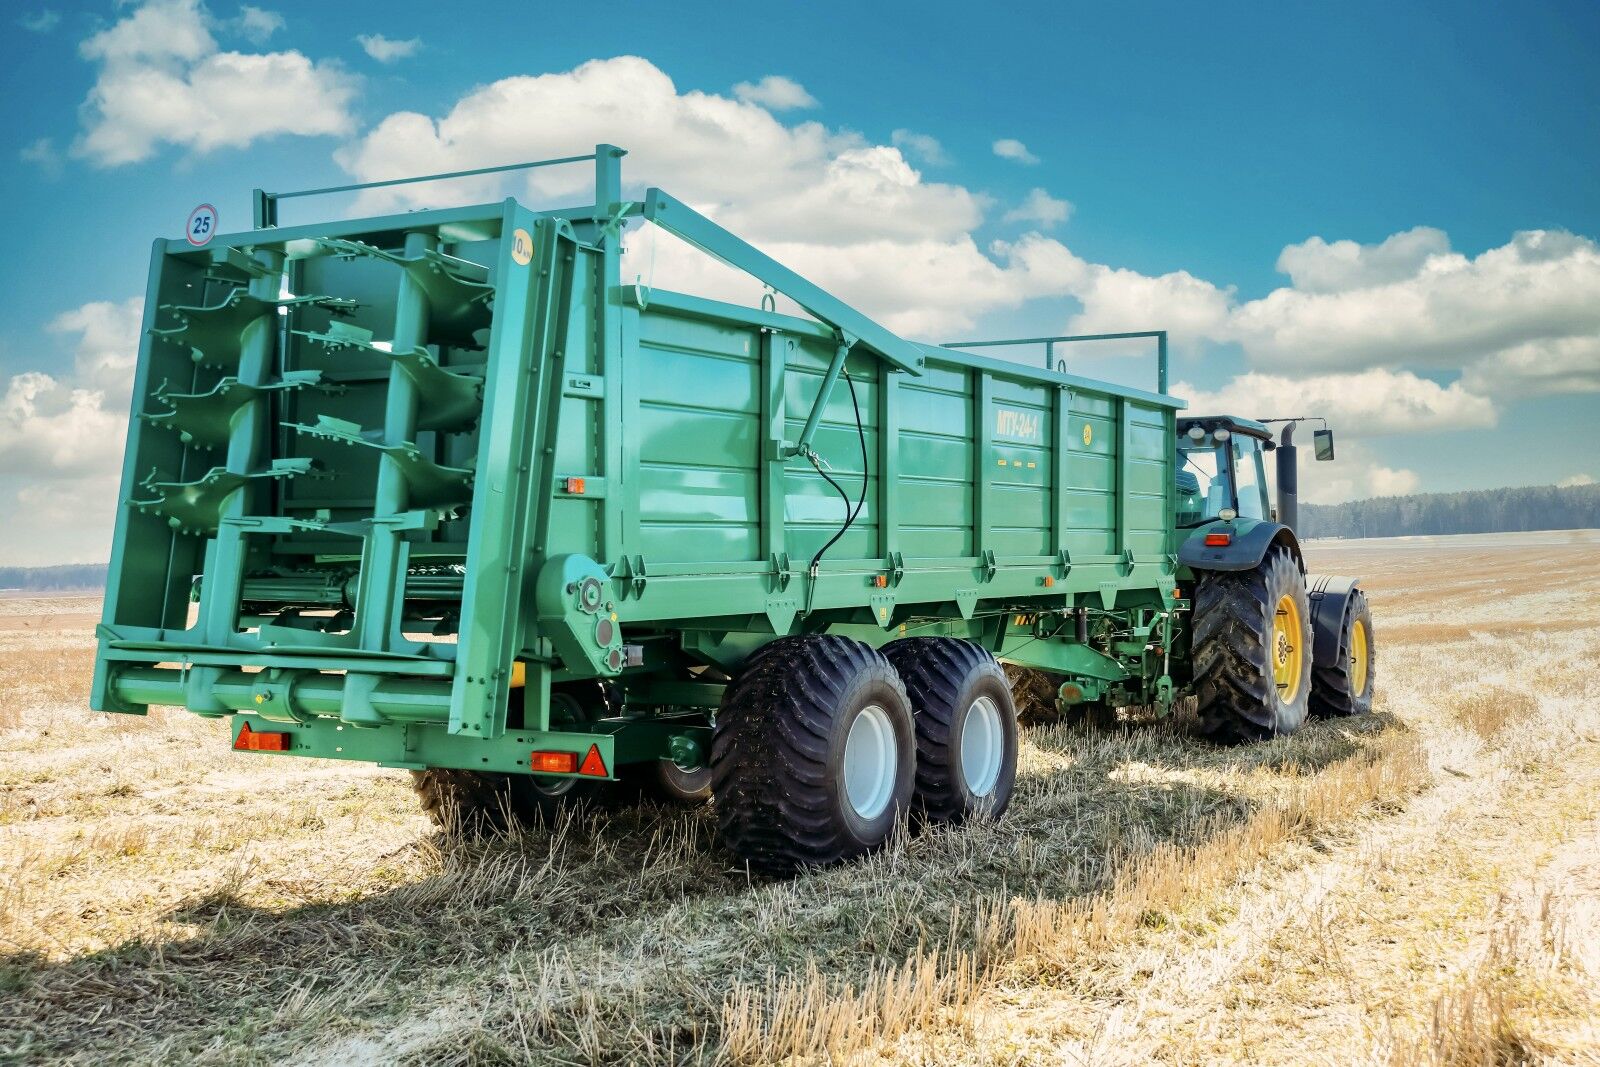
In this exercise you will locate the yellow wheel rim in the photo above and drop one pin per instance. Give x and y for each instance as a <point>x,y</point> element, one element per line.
<point>1358,658</point>
<point>1288,658</point>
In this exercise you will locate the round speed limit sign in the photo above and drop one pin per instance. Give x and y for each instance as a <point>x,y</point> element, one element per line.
<point>202,225</point>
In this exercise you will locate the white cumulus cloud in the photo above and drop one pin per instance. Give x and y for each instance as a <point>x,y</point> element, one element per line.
<point>1366,402</point>
<point>258,24</point>
<point>1318,266</point>
<point>164,80</point>
<point>1041,209</point>
<point>71,425</point>
<point>388,50</point>
<point>1013,149</point>
<point>1575,481</point>
<point>854,216</point>
<point>923,147</point>
<point>775,93</point>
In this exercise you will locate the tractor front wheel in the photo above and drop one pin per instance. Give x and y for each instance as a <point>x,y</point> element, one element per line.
<point>813,757</point>
<point>1252,650</point>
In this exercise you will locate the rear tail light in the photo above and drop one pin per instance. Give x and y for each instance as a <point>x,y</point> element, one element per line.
<point>554,762</point>
<point>1218,540</point>
<point>259,741</point>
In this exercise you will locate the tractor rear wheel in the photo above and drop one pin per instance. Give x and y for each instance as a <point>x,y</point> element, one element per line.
<point>966,727</point>
<point>1252,650</point>
<point>1344,687</point>
<point>813,758</point>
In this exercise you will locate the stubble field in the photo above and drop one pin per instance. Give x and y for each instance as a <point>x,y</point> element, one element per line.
<point>1418,886</point>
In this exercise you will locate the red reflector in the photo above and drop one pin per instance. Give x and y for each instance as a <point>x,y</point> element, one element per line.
<point>593,765</point>
<point>575,486</point>
<point>251,741</point>
<point>1218,539</point>
<point>554,762</point>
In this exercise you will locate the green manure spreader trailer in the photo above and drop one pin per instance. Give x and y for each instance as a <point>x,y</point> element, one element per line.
<point>438,491</point>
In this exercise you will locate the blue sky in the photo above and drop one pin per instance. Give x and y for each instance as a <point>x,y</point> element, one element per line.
<point>1323,205</point>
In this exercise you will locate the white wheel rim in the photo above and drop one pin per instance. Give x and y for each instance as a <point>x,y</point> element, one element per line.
<point>870,762</point>
<point>982,747</point>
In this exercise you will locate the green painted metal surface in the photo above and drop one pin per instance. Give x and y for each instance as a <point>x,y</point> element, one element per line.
<point>431,489</point>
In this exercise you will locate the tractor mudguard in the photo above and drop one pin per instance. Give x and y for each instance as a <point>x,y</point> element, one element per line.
<point>1251,540</point>
<point>1330,602</point>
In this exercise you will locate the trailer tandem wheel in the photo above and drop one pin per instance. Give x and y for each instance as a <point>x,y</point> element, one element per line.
<point>966,727</point>
<point>1344,687</point>
<point>1252,650</point>
<point>478,802</point>
<point>813,758</point>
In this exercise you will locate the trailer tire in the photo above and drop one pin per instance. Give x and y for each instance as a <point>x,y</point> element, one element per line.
<point>966,724</point>
<point>1252,650</point>
<point>475,803</point>
<point>667,781</point>
<point>1033,692</point>
<point>795,784</point>
<point>1344,687</point>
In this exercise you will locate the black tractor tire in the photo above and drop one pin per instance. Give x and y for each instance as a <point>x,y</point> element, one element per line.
<point>778,755</point>
<point>475,803</point>
<point>962,706</point>
<point>1334,689</point>
<point>1235,648</point>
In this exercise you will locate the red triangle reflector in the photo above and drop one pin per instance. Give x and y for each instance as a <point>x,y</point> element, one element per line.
<point>242,742</point>
<point>593,765</point>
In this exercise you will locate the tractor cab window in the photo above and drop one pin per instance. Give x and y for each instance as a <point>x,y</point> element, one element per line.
<point>1203,488</point>
<point>1214,474</point>
<point>1250,483</point>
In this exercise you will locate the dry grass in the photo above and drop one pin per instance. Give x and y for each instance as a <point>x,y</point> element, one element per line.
<point>1148,897</point>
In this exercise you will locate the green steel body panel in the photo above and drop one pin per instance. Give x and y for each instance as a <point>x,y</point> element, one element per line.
<point>382,472</point>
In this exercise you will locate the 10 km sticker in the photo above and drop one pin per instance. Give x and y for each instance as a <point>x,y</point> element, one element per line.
<point>521,246</point>
<point>202,225</point>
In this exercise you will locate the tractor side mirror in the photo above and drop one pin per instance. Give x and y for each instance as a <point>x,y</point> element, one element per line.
<point>1322,444</point>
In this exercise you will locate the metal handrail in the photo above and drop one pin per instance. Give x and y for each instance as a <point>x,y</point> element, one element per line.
<point>1051,342</point>
<point>266,204</point>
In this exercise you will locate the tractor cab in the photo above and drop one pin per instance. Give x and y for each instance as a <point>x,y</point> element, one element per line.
<point>1221,467</point>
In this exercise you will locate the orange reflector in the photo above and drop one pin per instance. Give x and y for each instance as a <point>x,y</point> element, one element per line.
<point>1215,540</point>
<point>575,485</point>
<point>880,580</point>
<point>593,765</point>
<point>519,674</point>
<point>251,741</point>
<point>1049,580</point>
<point>554,762</point>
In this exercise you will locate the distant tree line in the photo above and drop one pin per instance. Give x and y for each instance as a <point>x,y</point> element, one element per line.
<point>73,576</point>
<point>1535,507</point>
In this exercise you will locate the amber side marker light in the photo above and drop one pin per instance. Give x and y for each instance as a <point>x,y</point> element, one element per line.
<point>259,741</point>
<point>1218,540</point>
<point>554,762</point>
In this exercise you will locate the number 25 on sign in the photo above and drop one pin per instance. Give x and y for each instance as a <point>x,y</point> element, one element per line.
<point>202,225</point>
